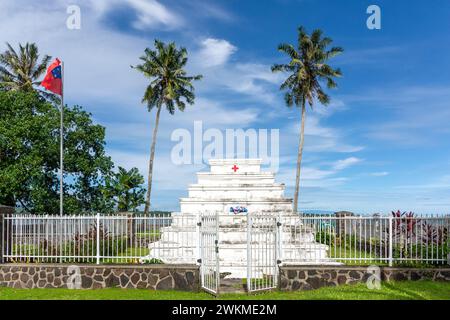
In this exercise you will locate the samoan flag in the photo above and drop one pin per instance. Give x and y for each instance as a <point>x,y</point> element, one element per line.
<point>53,79</point>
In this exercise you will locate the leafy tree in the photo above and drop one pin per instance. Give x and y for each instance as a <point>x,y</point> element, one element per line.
<point>169,86</point>
<point>21,70</point>
<point>307,70</point>
<point>29,156</point>
<point>126,188</point>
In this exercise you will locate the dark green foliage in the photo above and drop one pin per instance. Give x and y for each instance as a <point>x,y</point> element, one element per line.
<point>29,156</point>
<point>125,187</point>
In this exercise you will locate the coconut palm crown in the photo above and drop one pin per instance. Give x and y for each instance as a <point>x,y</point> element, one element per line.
<point>20,70</point>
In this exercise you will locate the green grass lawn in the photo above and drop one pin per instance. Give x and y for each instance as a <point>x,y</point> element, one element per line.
<point>407,290</point>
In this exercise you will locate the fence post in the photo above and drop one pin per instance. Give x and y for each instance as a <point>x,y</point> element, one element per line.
<point>5,232</point>
<point>197,230</point>
<point>249,252</point>
<point>279,235</point>
<point>130,228</point>
<point>98,238</point>
<point>390,241</point>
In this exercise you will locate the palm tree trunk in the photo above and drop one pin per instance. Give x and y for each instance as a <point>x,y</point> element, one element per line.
<point>150,164</point>
<point>299,157</point>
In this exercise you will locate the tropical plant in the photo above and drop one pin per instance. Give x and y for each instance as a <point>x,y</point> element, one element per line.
<point>126,188</point>
<point>169,86</point>
<point>20,70</point>
<point>307,70</point>
<point>432,234</point>
<point>404,223</point>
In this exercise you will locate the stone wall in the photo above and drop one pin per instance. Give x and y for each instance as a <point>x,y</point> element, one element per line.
<point>152,277</point>
<point>306,277</point>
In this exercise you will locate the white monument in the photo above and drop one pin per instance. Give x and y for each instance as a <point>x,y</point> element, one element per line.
<point>235,188</point>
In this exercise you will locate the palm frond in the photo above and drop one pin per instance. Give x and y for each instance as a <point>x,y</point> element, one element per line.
<point>289,50</point>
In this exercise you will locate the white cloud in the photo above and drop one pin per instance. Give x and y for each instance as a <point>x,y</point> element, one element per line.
<point>151,14</point>
<point>215,52</point>
<point>345,163</point>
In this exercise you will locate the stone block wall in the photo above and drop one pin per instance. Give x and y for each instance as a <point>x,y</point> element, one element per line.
<point>294,278</point>
<point>152,277</point>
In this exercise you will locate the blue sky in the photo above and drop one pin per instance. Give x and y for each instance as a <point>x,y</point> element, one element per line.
<point>382,144</point>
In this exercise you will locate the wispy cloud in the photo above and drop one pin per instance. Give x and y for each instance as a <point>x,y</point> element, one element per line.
<point>345,163</point>
<point>420,114</point>
<point>151,13</point>
<point>374,56</point>
<point>379,174</point>
<point>319,137</point>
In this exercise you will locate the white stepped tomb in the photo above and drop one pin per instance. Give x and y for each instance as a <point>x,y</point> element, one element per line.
<point>231,184</point>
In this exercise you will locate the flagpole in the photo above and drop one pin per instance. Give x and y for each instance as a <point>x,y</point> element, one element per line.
<point>61,145</point>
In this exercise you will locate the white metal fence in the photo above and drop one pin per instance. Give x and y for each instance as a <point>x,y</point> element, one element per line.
<point>91,238</point>
<point>405,239</point>
<point>389,240</point>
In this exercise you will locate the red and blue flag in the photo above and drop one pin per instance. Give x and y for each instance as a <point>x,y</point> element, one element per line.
<point>53,79</point>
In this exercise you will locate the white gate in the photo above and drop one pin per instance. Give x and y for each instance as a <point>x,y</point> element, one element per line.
<point>262,252</point>
<point>209,252</point>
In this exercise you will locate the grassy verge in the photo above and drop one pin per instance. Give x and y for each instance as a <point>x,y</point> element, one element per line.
<point>407,290</point>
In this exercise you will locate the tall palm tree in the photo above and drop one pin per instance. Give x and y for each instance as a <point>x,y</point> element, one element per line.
<point>20,70</point>
<point>169,86</point>
<point>307,71</point>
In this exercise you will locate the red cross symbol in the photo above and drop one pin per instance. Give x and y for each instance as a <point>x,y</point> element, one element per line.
<point>235,168</point>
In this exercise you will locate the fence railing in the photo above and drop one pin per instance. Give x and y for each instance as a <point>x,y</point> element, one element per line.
<point>309,239</point>
<point>372,239</point>
<point>91,238</point>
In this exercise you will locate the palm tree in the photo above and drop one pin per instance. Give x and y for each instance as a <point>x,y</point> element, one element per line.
<point>20,70</point>
<point>307,70</point>
<point>169,86</point>
<point>126,187</point>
